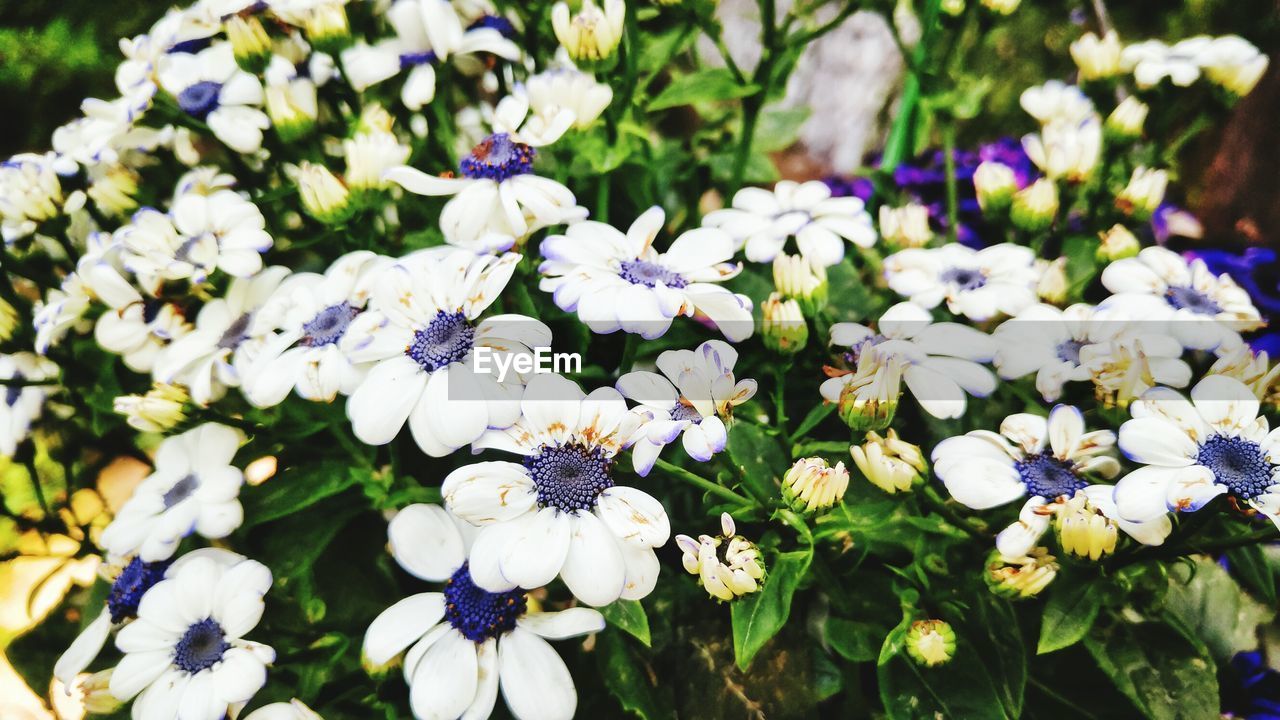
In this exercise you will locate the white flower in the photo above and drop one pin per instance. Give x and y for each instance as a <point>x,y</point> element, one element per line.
<point>303,325</point>
<point>1097,58</point>
<point>1073,345</point>
<point>186,656</point>
<point>978,284</point>
<point>30,193</point>
<point>211,87</point>
<point>466,643</point>
<point>372,151</point>
<point>1235,64</point>
<point>194,488</point>
<point>763,220</point>
<point>1183,299</point>
<point>558,512</point>
<point>727,566</point>
<point>140,330</point>
<point>1152,61</point>
<point>498,200</point>
<point>567,88</point>
<point>1066,149</point>
<point>201,233</point>
<point>1056,101</point>
<point>106,133</point>
<point>698,393</point>
<point>938,361</point>
<point>427,32</point>
<point>1195,450</point>
<point>1045,460</point>
<point>295,709</point>
<point>22,404</point>
<point>130,580</point>
<point>62,310</point>
<point>592,33</point>
<point>620,282</point>
<point>203,359</point>
<point>421,334</point>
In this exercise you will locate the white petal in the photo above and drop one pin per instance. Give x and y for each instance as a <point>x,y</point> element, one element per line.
<point>84,649</point>
<point>537,549</point>
<point>634,516</point>
<point>489,492</point>
<point>401,625</point>
<point>425,542</point>
<point>564,624</point>
<point>1156,441</point>
<point>535,682</point>
<point>444,683</point>
<point>593,569</point>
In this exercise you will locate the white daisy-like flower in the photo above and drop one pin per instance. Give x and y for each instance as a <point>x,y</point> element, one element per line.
<point>978,284</point>
<point>194,488</point>
<point>130,580</point>
<point>22,403</point>
<point>210,86</point>
<point>1075,344</point>
<point>140,330</point>
<point>427,32</point>
<point>621,282</point>
<point>938,361</point>
<point>761,221</point>
<point>1152,61</point>
<point>422,336</point>
<point>467,643</point>
<point>106,131</point>
<point>1195,450</point>
<point>1235,63</point>
<point>1066,149</point>
<point>499,200</point>
<point>558,512</point>
<point>692,402</point>
<point>567,88</point>
<point>1046,460</point>
<point>303,326</point>
<point>30,193</point>
<point>201,233</point>
<point>1180,298</point>
<point>214,355</point>
<point>1056,101</point>
<point>295,709</point>
<point>185,655</point>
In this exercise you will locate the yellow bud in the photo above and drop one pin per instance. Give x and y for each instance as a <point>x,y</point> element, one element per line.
<point>324,197</point>
<point>931,642</point>
<point>1083,530</point>
<point>1053,285</point>
<point>805,282</point>
<point>249,42</point>
<point>1002,7</point>
<point>1097,58</point>
<point>812,485</point>
<point>1118,243</point>
<point>1127,120</point>
<point>1035,206</point>
<point>1144,193</point>
<point>783,327</point>
<point>1021,577</point>
<point>738,570</point>
<point>995,185</point>
<point>593,34</point>
<point>157,411</point>
<point>906,226</point>
<point>891,464</point>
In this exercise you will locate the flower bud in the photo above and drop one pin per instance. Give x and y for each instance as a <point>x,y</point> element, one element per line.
<point>783,328</point>
<point>811,485</point>
<point>1253,368</point>
<point>1002,7</point>
<point>8,320</point>
<point>868,398</point>
<point>292,108</point>
<point>30,193</point>
<point>249,42</point>
<point>739,571</point>
<point>891,464</point>
<point>369,154</point>
<point>907,226</point>
<point>1035,207</point>
<point>326,27</point>
<point>113,188</point>
<point>954,8</point>
<point>97,698</point>
<point>995,185</point>
<point>805,282</point>
<point>1083,530</point>
<point>1144,193</point>
<point>1022,577</point>
<point>158,411</point>
<point>1052,286</point>
<point>1117,243</point>
<point>1127,120</point>
<point>931,642</point>
<point>1097,58</point>
<point>593,34</point>
<point>324,197</point>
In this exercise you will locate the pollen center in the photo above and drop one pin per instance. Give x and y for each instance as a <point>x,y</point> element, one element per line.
<point>200,99</point>
<point>329,325</point>
<point>964,278</point>
<point>1237,463</point>
<point>649,274</point>
<point>498,158</point>
<point>477,613</point>
<point>569,477</point>
<point>1182,297</point>
<point>446,339</point>
<point>201,646</point>
<point>1048,477</point>
<point>127,590</point>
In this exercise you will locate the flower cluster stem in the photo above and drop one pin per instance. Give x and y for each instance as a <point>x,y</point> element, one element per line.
<point>698,481</point>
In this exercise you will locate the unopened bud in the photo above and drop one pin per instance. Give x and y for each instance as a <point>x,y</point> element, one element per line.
<point>906,226</point>
<point>114,188</point>
<point>812,485</point>
<point>954,8</point>
<point>889,463</point>
<point>97,697</point>
<point>783,327</point>
<point>324,197</point>
<point>1097,58</point>
<point>249,42</point>
<point>326,27</point>
<point>1002,7</point>
<point>8,320</point>
<point>931,642</point>
<point>1118,243</point>
<point>369,155</point>
<point>995,185</point>
<point>1127,120</point>
<point>158,411</point>
<point>1144,193</point>
<point>868,397</point>
<point>1083,530</point>
<point>1022,577</point>
<point>1053,285</point>
<point>592,35</point>
<point>738,571</point>
<point>1035,207</point>
<point>292,108</point>
<point>797,278</point>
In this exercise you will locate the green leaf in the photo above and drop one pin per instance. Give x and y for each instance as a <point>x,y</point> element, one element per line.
<point>759,616</point>
<point>852,640</point>
<point>630,679</point>
<point>779,128</point>
<point>1162,673</point>
<point>1069,614</point>
<point>295,489</point>
<point>759,458</point>
<point>702,86</point>
<point>961,688</point>
<point>1082,264</point>
<point>1249,564</point>
<point>1208,607</point>
<point>629,616</point>
<point>815,416</point>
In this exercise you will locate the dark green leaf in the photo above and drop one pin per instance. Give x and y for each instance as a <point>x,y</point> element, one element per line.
<point>813,419</point>
<point>779,129</point>
<point>1249,564</point>
<point>759,458</point>
<point>759,616</point>
<point>1162,673</point>
<point>630,679</point>
<point>961,688</point>
<point>701,86</point>
<point>628,615</point>
<point>1209,608</point>
<point>854,641</point>
<point>1068,615</point>
<point>295,489</point>
<point>1082,264</point>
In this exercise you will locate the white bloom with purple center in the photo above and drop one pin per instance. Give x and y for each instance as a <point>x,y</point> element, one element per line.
<point>978,284</point>
<point>1180,298</point>
<point>558,512</point>
<point>465,644</point>
<point>1195,450</point>
<point>23,404</point>
<point>194,488</point>
<point>210,87</point>
<point>200,233</point>
<point>938,361</point>
<point>617,281</point>
<point>185,655</point>
<point>213,356</point>
<point>763,220</point>
<point>421,335</point>
<point>304,328</point>
<point>1046,460</point>
<point>427,32</point>
<point>498,200</point>
<point>691,399</point>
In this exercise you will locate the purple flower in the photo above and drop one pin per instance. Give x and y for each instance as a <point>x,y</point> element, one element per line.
<point>1256,270</point>
<point>1251,689</point>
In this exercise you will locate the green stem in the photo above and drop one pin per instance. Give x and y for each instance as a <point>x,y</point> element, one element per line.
<point>715,489</point>
<point>900,144</point>
<point>602,198</point>
<point>629,349</point>
<point>953,197</point>
<point>938,505</point>
<point>779,396</point>
<point>752,105</point>
<point>30,462</point>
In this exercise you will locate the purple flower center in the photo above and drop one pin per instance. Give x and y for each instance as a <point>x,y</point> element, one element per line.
<point>201,647</point>
<point>498,158</point>
<point>131,584</point>
<point>569,477</point>
<point>329,325</point>
<point>649,274</point>
<point>685,412</point>
<point>1182,297</point>
<point>1048,477</point>
<point>1237,463</point>
<point>446,339</point>
<point>477,613</point>
<point>200,99</point>
<point>414,59</point>
<point>180,491</point>
<point>964,278</point>
<point>1069,351</point>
